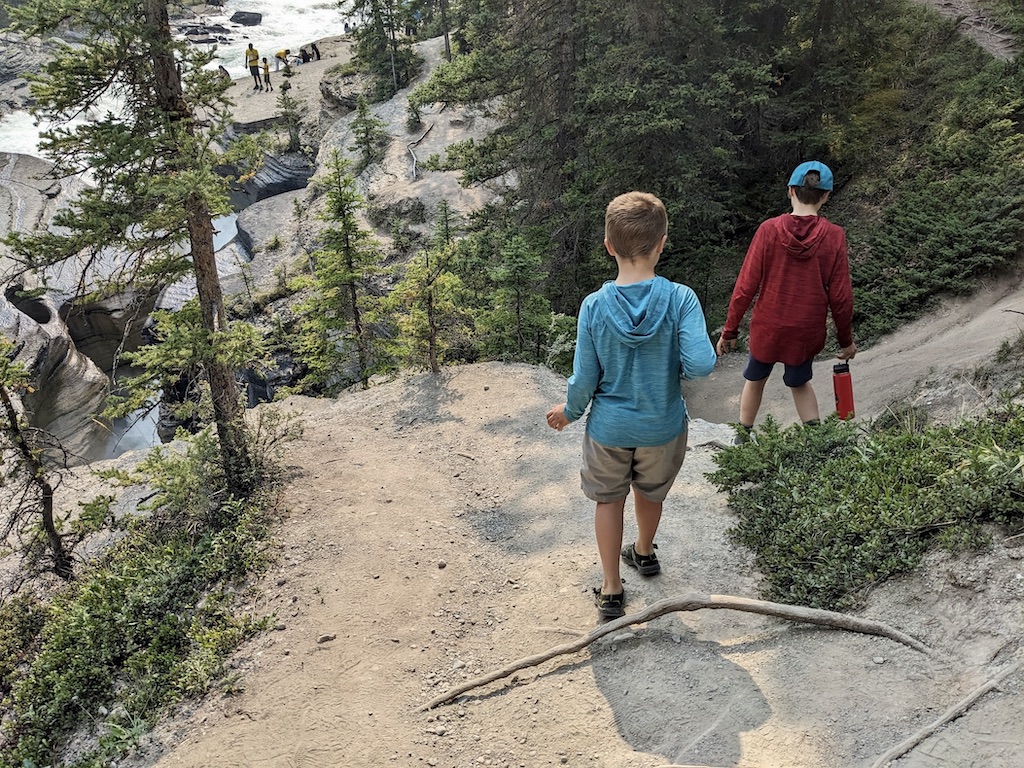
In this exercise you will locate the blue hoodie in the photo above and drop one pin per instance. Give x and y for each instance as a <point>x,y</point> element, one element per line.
<point>634,343</point>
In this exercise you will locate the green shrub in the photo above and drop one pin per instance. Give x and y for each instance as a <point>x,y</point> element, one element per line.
<point>151,622</point>
<point>831,510</point>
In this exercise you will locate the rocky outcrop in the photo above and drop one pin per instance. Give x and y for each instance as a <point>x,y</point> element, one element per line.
<point>246,18</point>
<point>279,173</point>
<point>68,391</point>
<point>18,57</point>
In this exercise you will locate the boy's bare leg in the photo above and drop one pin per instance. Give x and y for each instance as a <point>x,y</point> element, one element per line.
<point>608,527</point>
<point>806,402</point>
<point>648,515</point>
<point>750,400</point>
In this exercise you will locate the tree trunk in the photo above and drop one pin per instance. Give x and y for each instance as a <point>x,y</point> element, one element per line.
<point>444,28</point>
<point>432,331</point>
<point>227,411</point>
<point>33,467</point>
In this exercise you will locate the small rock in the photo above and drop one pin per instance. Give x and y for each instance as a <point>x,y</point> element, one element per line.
<point>280,627</point>
<point>458,664</point>
<point>878,660</point>
<point>325,638</point>
<point>442,564</point>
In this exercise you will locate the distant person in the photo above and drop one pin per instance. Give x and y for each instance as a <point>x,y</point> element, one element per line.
<point>315,50</point>
<point>305,55</point>
<point>636,338</point>
<point>252,61</point>
<point>223,72</point>
<point>266,75</point>
<point>798,270</point>
<point>281,57</point>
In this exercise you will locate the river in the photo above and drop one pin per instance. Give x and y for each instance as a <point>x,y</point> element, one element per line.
<point>285,24</point>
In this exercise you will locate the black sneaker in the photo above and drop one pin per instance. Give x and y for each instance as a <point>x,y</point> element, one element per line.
<point>610,606</point>
<point>647,565</point>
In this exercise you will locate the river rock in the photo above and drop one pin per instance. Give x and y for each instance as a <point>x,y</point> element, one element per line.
<point>246,18</point>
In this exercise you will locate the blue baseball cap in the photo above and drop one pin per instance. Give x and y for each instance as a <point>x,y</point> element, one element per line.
<point>797,179</point>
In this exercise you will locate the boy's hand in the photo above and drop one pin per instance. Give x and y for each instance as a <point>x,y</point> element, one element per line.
<point>847,353</point>
<point>724,345</point>
<point>556,417</point>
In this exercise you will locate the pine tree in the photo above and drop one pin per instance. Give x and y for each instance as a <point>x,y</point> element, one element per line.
<point>370,136</point>
<point>381,48</point>
<point>335,328</point>
<point>516,322</point>
<point>426,305</point>
<point>147,218</point>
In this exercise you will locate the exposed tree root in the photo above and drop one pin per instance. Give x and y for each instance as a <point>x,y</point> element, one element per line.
<point>946,717</point>
<point>691,602</point>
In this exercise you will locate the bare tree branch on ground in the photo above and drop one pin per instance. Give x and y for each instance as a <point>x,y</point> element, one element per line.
<point>691,602</point>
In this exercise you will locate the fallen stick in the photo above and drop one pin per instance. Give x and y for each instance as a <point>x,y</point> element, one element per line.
<point>946,717</point>
<point>691,602</point>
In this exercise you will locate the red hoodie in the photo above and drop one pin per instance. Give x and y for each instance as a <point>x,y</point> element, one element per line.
<point>798,269</point>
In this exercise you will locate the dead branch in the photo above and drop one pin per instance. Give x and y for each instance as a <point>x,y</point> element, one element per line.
<point>946,717</point>
<point>691,602</point>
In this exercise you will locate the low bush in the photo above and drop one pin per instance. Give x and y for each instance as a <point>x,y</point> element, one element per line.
<point>151,622</point>
<point>831,510</point>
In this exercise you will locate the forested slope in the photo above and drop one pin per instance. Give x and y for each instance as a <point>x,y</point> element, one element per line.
<point>710,104</point>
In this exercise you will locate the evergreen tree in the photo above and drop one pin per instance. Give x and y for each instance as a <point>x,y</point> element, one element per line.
<point>369,135</point>
<point>291,111</point>
<point>382,48</point>
<point>518,317</point>
<point>147,217</point>
<point>335,331</point>
<point>426,305</point>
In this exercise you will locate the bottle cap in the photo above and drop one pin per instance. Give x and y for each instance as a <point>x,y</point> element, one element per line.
<point>843,367</point>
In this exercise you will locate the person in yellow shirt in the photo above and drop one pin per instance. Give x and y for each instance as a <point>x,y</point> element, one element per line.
<point>281,57</point>
<point>266,75</point>
<point>252,61</point>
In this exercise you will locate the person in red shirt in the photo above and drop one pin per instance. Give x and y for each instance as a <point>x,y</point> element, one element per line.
<point>798,270</point>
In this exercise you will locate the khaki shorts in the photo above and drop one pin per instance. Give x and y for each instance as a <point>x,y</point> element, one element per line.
<point>607,473</point>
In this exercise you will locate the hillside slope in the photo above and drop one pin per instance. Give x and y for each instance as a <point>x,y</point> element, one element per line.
<point>432,530</point>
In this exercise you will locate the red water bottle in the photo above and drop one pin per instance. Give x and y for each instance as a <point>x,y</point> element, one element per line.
<point>842,385</point>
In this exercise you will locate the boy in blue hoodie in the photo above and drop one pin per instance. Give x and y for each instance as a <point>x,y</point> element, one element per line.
<point>636,338</point>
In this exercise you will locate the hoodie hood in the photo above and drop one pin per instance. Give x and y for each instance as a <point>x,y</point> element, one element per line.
<point>801,235</point>
<point>635,311</point>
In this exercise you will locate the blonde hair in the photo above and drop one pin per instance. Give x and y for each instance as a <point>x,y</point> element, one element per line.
<point>634,224</point>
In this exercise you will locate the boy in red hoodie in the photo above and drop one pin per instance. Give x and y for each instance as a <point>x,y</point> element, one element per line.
<point>798,270</point>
